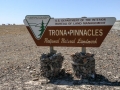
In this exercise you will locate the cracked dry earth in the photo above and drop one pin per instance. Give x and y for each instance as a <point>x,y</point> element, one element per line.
<point>20,63</point>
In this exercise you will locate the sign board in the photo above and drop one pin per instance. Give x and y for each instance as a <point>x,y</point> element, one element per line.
<point>72,32</point>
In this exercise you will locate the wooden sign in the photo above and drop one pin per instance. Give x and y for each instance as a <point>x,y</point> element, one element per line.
<point>72,32</point>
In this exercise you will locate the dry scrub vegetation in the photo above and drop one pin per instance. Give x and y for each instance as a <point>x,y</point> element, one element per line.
<point>19,62</point>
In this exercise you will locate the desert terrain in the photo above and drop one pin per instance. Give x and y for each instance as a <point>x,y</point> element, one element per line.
<point>20,58</point>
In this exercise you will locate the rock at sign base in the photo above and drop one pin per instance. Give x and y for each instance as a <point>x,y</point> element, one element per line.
<point>51,64</point>
<point>83,65</point>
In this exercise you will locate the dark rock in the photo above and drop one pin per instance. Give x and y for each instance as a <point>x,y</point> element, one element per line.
<point>83,65</point>
<point>51,64</point>
<point>35,79</point>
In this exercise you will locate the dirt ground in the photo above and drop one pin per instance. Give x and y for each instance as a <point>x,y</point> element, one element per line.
<point>19,59</point>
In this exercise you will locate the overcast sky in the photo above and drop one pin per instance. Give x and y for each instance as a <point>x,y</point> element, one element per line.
<point>14,11</point>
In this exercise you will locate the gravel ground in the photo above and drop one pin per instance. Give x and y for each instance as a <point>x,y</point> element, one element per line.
<point>19,59</point>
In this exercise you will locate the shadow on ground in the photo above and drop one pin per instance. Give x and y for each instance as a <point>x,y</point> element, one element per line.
<point>68,80</point>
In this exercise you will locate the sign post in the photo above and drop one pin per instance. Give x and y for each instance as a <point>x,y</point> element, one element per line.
<point>84,48</point>
<point>51,49</point>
